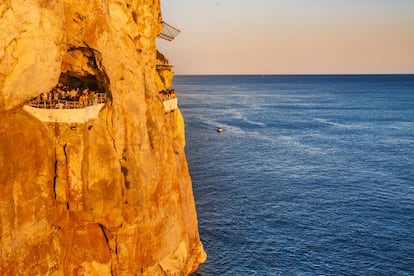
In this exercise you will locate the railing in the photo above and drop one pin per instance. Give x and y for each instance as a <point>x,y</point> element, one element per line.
<point>66,104</point>
<point>163,67</point>
<point>168,94</point>
<point>168,32</point>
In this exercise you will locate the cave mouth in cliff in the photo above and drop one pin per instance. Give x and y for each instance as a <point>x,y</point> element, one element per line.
<point>82,68</point>
<point>81,82</point>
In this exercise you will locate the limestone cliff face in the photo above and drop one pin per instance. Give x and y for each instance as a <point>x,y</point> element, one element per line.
<point>110,196</point>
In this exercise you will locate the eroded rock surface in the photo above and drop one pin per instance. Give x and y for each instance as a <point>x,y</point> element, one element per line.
<point>110,196</point>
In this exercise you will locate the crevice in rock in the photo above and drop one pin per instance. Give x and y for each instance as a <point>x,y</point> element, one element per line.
<point>67,176</point>
<point>135,17</point>
<point>103,229</point>
<point>124,171</point>
<point>124,158</point>
<point>109,123</point>
<point>66,154</point>
<point>107,240</point>
<point>116,246</point>
<point>55,176</point>
<point>122,186</point>
<point>115,262</point>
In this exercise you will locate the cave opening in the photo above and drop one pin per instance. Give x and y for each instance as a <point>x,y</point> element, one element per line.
<point>81,82</point>
<point>82,69</point>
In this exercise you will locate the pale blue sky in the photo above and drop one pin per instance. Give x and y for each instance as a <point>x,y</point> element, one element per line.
<point>290,36</point>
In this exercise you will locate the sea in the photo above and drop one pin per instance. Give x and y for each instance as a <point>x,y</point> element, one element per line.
<point>311,175</point>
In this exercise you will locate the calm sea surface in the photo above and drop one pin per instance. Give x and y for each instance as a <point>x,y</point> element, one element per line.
<point>312,175</point>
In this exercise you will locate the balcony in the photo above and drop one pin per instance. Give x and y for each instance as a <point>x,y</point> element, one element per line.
<point>168,32</point>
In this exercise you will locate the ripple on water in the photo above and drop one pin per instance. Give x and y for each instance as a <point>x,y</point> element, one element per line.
<point>311,175</point>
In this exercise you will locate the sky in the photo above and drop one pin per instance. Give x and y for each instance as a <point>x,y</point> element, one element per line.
<point>290,36</point>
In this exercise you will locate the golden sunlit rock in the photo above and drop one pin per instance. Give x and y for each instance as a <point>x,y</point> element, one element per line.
<point>108,196</point>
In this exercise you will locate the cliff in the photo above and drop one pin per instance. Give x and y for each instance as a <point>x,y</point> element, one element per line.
<point>110,196</point>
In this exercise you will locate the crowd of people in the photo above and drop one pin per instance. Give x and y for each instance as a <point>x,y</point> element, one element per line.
<point>168,94</point>
<point>64,96</point>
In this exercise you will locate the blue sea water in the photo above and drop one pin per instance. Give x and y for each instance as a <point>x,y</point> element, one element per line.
<point>312,175</point>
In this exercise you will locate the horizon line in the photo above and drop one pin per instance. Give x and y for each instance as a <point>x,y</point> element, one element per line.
<point>298,74</point>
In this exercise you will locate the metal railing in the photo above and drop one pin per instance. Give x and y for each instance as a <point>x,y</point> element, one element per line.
<point>67,104</point>
<point>168,31</point>
<point>163,67</point>
<point>168,94</point>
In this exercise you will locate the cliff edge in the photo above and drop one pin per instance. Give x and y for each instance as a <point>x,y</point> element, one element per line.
<point>109,196</point>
